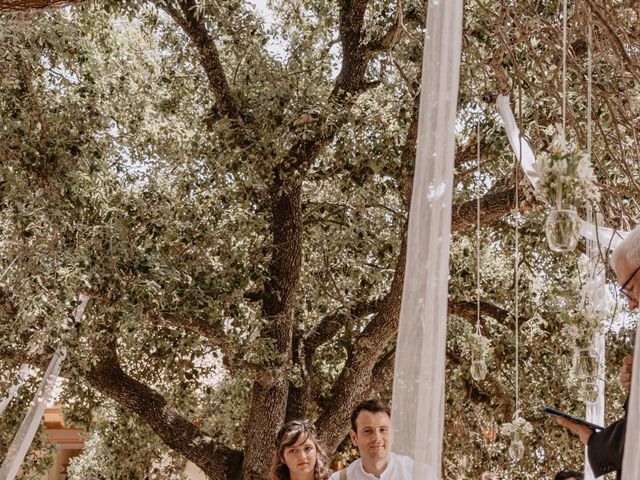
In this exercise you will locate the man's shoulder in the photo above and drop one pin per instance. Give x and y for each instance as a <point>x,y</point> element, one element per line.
<point>402,461</point>
<point>349,468</point>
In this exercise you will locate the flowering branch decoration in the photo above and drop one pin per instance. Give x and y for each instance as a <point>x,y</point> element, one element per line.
<point>478,344</point>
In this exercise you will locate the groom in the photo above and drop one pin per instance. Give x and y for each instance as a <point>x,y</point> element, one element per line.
<point>371,434</point>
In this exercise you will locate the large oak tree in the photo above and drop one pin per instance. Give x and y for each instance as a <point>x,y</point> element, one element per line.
<point>232,192</point>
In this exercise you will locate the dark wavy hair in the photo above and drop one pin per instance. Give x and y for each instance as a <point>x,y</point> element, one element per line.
<point>373,406</point>
<point>292,433</point>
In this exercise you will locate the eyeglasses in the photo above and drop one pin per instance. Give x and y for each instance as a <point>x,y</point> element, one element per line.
<point>624,285</point>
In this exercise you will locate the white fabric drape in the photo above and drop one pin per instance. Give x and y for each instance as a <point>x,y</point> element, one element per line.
<point>418,388</point>
<point>23,439</point>
<point>606,238</point>
<point>631,460</point>
<point>595,295</point>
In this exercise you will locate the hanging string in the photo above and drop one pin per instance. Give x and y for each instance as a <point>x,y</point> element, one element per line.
<point>517,253</point>
<point>564,69</point>
<point>478,231</point>
<point>589,78</point>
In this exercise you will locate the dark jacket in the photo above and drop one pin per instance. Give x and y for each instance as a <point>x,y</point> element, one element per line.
<point>606,448</point>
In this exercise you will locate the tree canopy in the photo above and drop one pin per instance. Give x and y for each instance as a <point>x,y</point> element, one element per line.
<point>232,191</point>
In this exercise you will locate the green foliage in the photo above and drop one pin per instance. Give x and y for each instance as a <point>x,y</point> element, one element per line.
<point>119,177</point>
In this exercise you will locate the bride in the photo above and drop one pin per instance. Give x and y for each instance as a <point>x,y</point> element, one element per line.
<point>298,454</point>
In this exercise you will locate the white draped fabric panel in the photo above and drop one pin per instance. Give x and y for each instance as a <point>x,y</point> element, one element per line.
<point>595,410</point>
<point>606,238</point>
<point>418,388</point>
<point>595,300</point>
<point>23,439</point>
<point>631,461</point>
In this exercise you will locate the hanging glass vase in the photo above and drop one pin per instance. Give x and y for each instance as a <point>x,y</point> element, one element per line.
<point>589,391</point>
<point>478,366</point>
<point>516,449</point>
<point>585,364</point>
<point>562,228</point>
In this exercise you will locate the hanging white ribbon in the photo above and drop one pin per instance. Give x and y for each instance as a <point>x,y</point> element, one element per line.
<point>418,387</point>
<point>595,303</point>
<point>606,238</point>
<point>24,437</point>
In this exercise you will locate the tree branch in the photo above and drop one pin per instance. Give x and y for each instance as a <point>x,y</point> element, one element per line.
<point>330,325</point>
<point>216,460</point>
<point>208,56</point>
<point>15,6</point>
<point>468,310</point>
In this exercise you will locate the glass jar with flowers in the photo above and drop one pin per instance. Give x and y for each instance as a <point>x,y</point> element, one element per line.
<point>517,430</point>
<point>566,178</point>
<point>580,330</point>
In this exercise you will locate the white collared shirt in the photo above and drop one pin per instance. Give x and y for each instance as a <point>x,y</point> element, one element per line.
<point>399,468</point>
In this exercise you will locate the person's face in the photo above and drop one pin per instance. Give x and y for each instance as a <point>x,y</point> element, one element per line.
<point>629,280</point>
<point>300,457</point>
<point>373,438</point>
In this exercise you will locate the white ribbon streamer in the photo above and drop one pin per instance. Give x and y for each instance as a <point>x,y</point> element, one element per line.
<point>594,299</point>
<point>418,388</point>
<point>24,437</point>
<point>606,238</point>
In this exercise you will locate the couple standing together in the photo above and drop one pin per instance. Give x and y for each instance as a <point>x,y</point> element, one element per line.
<point>299,456</point>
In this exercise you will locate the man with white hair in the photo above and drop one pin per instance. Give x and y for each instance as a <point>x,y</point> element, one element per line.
<point>607,446</point>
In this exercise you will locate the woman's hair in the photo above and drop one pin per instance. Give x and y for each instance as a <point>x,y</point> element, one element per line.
<point>293,433</point>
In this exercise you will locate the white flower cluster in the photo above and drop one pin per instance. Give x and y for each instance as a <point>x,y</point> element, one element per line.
<point>478,344</point>
<point>565,175</point>
<point>580,328</point>
<point>518,424</point>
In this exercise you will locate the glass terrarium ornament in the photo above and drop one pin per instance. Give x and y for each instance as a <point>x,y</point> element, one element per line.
<point>566,179</point>
<point>479,369</point>
<point>516,448</point>
<point>479,347</point>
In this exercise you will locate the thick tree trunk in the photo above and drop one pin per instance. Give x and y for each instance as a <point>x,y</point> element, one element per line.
<point>270,392</point>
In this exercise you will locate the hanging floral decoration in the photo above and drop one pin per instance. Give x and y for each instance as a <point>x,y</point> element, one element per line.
<point>566,178</point>
<point>565,174</point>
<point>581,328</point>
<point>518,429</point>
